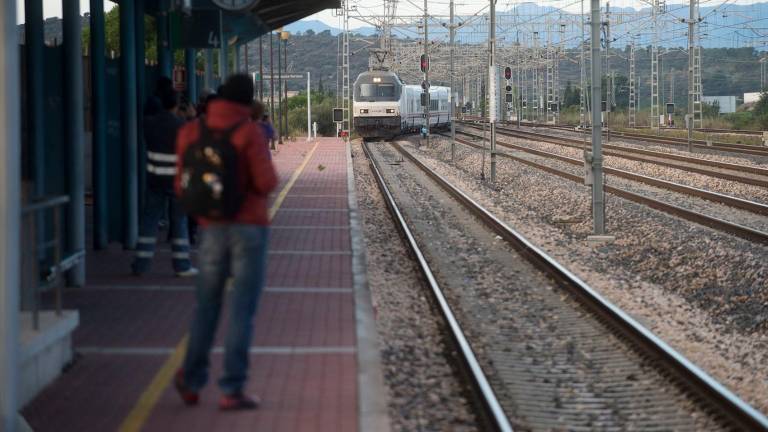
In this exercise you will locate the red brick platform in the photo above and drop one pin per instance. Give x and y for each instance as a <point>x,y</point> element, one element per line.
<point>314,359</point>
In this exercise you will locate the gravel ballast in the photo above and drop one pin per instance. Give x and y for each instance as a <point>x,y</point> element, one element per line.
<point>552,364</point>
<point>704,292</point>
<point>425,393</point>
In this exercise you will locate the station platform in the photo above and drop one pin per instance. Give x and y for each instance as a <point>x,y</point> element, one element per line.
<point>314,358</point>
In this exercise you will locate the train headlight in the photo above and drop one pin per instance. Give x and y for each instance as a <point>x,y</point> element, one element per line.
<point>363,111</point>
<point>390,111</point>
<point>377,79</point>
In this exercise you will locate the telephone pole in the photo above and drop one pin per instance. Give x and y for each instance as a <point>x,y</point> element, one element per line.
<point>492,90</point>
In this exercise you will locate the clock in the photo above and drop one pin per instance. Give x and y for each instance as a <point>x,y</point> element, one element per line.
<point>235,5</point>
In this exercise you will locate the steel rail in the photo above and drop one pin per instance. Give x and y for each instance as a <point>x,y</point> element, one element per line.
<point>627,153</point>
<point>716,145</point>
<point>492,414</point>
<point>751,206</point>
<point>742,231</point>
<point>730,406</point>
<point>651,153</point>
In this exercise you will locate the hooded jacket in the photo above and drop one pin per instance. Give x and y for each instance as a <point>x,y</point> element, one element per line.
<point>257,174</point>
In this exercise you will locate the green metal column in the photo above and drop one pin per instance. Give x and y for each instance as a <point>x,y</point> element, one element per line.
<point>99,121</point>
<point>73,127</point>
<point>209,68</point>
<point>164,52</point>
<point>10,214</point>
<point>128,119</point>
<point>237,58</point>
<point>33,44</point>
<point>141,85</point>
<point>191,69</point>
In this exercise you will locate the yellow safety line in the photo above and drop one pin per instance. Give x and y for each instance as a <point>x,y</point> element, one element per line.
<point>283,193</point>
<point>135,420</point>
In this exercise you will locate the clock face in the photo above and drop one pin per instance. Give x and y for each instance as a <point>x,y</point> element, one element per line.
<point>235,5</point>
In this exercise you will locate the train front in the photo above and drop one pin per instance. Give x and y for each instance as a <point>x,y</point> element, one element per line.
<point>376,108</point>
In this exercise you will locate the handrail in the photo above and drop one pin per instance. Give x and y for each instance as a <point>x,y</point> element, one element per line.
<point>45,203</point>
<point>29,214</point>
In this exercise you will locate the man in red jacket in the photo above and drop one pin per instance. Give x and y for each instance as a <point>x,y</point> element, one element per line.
<point>235,248</point>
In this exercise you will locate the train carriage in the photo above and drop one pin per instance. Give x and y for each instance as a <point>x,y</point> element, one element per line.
<point>385,107</point>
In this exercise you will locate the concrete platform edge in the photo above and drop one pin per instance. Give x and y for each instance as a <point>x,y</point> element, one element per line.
<point>373,395</point>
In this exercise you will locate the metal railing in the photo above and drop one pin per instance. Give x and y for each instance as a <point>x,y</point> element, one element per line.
<point>34,282</point>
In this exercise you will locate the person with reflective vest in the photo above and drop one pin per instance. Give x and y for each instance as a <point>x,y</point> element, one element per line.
<point>160,136</point>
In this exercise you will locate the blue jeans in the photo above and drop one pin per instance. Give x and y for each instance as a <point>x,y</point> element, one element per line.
<point>154,209</point>
<point>239,251</point>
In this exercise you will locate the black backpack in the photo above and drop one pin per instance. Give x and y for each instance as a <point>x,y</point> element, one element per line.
<point>210,184</point>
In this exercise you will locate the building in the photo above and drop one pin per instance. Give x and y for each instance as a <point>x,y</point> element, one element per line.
<point>727,104</point>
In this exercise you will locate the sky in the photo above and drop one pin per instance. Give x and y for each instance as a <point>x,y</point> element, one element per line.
<point>412,7</point>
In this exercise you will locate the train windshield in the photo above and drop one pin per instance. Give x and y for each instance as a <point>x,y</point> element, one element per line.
<point>377,92</point>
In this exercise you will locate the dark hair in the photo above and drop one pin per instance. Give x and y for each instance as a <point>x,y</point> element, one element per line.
<point>169,99</point>
<point>162,85</point>
<point>257,110</point>
<point>238,89</point>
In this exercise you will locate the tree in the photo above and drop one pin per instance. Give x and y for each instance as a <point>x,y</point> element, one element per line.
<point>112,36</point>
<point>571,96</point>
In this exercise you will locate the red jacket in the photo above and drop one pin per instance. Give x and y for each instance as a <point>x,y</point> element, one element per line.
<point>257,174</point>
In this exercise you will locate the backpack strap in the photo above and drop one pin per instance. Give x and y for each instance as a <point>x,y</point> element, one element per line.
<point>207,133</point>
<point>228,132</point>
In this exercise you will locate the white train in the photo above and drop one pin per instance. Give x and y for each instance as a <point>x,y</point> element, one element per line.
<point>385,107</point>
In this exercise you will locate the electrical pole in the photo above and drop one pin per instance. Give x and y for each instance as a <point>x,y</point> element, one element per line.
<point>632,86</point>
<point>271,85</point>
<point>492,91</point>
<point>451,97</point>
<point>519,81</point>
<point>284,36</point>
<point>691,84</point>
<point>309,107</point>
<point>655,106</point>
<point>261,68</point>
<point>598,203</point>
<point>609,76</point>
<point>280,130</point>
<point>426,76</point>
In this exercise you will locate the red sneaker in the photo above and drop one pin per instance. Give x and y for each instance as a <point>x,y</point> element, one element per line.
<point>189,396</point>
<point>238,401</point>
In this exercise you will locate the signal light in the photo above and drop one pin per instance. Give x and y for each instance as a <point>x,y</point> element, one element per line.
<point>424,99</point>
<point>424,63</point>
<point>507,72</point>
<point>508,88</point>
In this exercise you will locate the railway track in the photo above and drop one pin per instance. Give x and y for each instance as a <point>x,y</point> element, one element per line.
<point>718,224</point>
<point>733,172</point>
<point>571,360</point>
<point>680,142</point>
<point>751,206</point>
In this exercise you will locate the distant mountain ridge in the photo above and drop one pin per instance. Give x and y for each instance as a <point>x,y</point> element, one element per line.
<point>722,26</point>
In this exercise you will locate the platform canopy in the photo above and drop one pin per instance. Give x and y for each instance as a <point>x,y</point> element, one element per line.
<point>193,21</point>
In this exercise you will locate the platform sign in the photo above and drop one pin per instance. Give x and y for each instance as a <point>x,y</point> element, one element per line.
<point>198,30</point>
